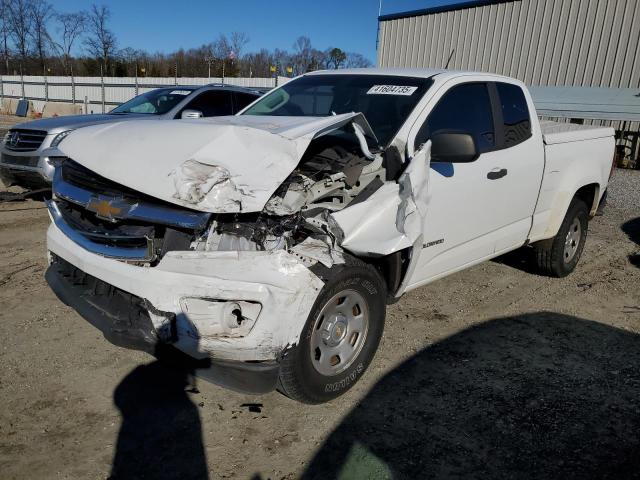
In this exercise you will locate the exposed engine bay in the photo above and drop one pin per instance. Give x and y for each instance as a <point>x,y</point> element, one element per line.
<point>334,171</point>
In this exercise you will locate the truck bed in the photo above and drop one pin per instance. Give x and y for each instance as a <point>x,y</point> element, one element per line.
<point>556,132</point>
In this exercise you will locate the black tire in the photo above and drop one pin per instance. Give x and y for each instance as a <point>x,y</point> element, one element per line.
<point>298,378</point>
<point>551,257</point>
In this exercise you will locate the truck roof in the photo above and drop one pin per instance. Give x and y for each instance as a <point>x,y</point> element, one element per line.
<point>400,72</point>
<point>407,72</point>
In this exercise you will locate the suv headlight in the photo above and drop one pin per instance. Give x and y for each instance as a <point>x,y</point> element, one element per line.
<point>58,138</point>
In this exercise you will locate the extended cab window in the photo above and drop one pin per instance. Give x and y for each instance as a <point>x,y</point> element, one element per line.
<point>463,109</point>
<point>515,114</point>
<point>211,103</point>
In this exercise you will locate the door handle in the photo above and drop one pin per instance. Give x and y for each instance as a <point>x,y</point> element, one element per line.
<point>495,174</point>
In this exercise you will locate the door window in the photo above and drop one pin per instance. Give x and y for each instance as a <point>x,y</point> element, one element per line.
<point>515,114</point>
<point>463,109</point>
<point>242,100</point>
<point>211,103</point>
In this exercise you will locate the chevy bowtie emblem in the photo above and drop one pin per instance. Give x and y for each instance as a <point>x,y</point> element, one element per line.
<point>105,208</point>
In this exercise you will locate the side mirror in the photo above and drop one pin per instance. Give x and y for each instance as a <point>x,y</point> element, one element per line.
<point>453,148</point>
<point>191,114</point>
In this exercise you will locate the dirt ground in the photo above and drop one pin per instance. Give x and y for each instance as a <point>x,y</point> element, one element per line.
<point>494,372</point>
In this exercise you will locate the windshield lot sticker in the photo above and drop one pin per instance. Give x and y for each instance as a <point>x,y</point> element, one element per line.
<point>180,92</point>
<point>391,90</point>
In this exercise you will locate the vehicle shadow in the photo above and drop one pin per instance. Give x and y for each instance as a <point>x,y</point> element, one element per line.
<point>541,395</point>
<point>632,229</point>
<point>522,259</point>
<point>161,433</point>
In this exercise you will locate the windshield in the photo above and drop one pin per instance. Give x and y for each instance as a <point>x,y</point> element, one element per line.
<point>155,102</point>
<point>385,100</point>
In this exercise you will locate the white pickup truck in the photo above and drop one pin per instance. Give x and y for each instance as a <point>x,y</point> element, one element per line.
<point>268,244</point>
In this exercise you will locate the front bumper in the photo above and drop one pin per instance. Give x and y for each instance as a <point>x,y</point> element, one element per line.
<point>278,281</point>
<point>23,177</point>
<point>124,321</point>
<point>26,169</point>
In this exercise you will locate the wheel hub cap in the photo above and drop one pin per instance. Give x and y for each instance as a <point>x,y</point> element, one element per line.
<point>334,330</point>
<point>339,332</point>
<point>572,240</point>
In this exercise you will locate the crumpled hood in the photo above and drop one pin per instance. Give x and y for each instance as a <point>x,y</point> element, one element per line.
<point>218,165</point>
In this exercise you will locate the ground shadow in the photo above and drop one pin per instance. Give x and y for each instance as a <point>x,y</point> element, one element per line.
<point>541,395</point>
<point>161,434</point>
<point>522,259</point>
<point>632,229</point>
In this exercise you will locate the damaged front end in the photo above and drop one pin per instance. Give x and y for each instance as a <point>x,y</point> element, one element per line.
<point>336,170</point>
<point>220,259</point>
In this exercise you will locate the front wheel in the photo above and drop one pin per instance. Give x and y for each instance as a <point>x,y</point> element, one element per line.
<point>340,337</point>
<point>559,255</point>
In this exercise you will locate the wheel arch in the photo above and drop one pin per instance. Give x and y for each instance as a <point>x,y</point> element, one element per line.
<point>393,269</point>
<point>590,195</point>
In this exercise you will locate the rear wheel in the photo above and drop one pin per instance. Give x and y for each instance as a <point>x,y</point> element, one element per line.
<point>559,255</point>
<point>340,337</point>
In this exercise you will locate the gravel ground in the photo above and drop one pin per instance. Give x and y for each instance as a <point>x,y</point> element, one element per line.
<point>624,191</point>
<point>494,372</point>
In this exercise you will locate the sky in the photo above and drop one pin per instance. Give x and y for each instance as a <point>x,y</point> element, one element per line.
<point>166,26</point>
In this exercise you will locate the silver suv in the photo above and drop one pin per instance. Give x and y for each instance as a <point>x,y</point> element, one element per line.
<point>25,150</point>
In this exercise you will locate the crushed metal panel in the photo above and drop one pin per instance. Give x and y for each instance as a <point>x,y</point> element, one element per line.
<point>318,250</point>
<point>392,218</point>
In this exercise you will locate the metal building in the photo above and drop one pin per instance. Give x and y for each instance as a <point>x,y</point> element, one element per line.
<point>587,43</point>
<point>541,42</point>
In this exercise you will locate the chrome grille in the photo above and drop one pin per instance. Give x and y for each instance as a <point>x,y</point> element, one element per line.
<point>81,186</point>
<point>114,221</point>
<point>23,140</point>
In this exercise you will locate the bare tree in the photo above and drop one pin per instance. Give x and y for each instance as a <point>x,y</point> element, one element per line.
<point>237,43</point>
<point>257,64</point>
<point>25,26</point>
<point>20,26</point>
<point>302,57</point>
<point>5,32</point>
<point>281,58</point>
<point>221,47</point>
<point>41,13</point>
<point>70,27</point>
<point>101,42</point>
<point>356,60</point>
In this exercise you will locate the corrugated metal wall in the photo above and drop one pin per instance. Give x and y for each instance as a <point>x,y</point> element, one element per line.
<point>541,42</point>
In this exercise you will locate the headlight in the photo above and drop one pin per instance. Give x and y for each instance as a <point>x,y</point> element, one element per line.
<point>5,139</point>
<point>58,138</point>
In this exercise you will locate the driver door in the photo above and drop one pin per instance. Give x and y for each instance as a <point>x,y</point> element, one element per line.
<point>461,222</point>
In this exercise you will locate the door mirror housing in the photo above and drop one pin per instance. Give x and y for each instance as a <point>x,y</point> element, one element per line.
<point>191,114</point>
<point>453,148</point>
